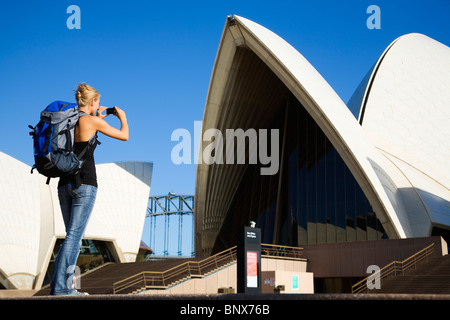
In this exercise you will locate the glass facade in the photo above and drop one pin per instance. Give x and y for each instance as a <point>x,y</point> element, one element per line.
<point>312,199</point>
<point>93,253</point>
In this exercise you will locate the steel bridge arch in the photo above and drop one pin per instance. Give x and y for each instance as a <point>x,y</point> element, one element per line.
<point>170,205</point>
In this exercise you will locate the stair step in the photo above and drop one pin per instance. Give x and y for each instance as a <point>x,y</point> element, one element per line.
<point>429,277</point>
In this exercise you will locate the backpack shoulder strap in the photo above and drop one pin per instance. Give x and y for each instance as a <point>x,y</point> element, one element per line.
<point>93,140</point>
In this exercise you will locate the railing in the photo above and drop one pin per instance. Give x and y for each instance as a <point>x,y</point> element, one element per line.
<point>162,279</point>
<point>281,251</point>
<point>193,269</point>
<point>393,269</point>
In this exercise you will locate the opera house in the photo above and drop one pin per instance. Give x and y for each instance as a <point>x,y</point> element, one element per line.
<point>32,228</point>
<point>352,191</point>
<point>341,179</point>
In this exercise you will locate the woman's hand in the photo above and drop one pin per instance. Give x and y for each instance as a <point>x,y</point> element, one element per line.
<point>102,126</point>
<point>120,113</point>
<point>99,112</point>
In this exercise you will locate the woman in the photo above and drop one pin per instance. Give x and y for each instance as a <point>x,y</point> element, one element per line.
<point>77,192</point>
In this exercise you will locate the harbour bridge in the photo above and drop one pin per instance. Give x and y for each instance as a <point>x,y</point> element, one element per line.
<point>170,219</point>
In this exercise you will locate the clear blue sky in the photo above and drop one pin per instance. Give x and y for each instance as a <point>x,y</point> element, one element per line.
<point>154,60</point>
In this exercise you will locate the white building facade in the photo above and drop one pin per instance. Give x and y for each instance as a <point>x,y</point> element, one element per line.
<point>394,157</point>
<point>31,223</point>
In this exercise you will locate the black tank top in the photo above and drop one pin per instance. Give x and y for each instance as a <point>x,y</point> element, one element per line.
<point>87,174</point>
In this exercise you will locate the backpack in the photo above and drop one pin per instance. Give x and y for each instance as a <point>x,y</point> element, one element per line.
<point>53,141</point>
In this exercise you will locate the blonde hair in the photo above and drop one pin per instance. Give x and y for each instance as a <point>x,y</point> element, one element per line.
<point>85,94</point>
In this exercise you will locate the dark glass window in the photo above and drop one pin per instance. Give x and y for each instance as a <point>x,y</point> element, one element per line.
<point>313,198</point>
<point>93,253</point>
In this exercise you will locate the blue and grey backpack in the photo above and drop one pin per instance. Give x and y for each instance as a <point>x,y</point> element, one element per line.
<point>53,139</point>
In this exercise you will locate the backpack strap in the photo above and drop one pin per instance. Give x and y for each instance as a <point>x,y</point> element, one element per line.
<point>48,133</point>
<point>93,140</point>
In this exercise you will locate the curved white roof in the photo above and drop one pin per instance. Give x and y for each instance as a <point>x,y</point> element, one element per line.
<point>406,112</point>
<point>121,205</point>
<point>19,222</point>
<point>321,102</point>
<point>31,221</point>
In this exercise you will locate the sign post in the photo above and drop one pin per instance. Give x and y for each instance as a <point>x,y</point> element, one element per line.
<point>249,261</point>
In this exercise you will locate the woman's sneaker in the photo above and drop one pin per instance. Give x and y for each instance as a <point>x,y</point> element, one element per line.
<point>78,293</point>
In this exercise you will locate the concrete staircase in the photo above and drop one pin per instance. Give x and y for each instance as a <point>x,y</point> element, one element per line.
<point>101,280</point>
<point>129,278</point>
<point>429,277</point>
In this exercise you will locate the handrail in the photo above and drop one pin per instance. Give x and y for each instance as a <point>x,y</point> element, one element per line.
<point>281,251</point>
<point>162,279</point>
<point>394,268</point>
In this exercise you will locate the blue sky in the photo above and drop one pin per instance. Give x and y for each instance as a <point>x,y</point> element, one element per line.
<point>154,60</point>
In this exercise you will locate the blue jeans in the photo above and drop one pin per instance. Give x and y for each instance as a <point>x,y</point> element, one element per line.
<point>76,207</point>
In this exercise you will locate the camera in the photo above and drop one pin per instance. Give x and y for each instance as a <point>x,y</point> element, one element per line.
<point>111,111</point>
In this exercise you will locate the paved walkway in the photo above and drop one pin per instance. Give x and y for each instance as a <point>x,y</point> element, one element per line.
<point>237,297</point>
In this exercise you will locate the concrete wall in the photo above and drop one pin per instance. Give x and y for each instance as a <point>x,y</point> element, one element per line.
<point>291,282</point>
<point>227,278</point>
<point>351,259</point>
